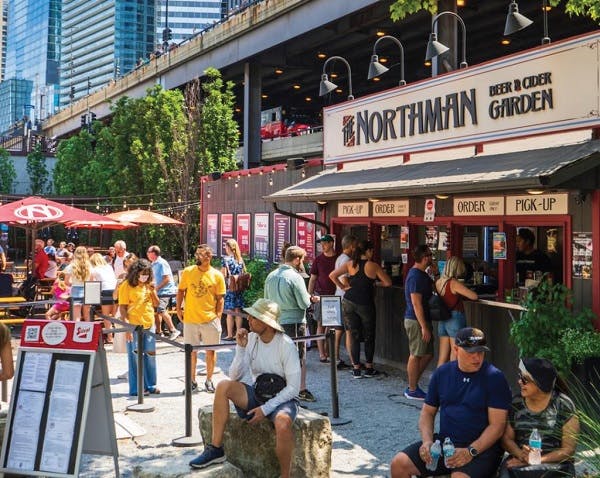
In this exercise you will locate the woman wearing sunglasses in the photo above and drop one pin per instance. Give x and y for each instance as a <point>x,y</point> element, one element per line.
<point>540,405</point>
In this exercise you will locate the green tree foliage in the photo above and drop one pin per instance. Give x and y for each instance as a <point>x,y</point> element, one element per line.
<point>36,169</point>
<point>218,130</point>
<point>8,172</point>
<point>154,151</point>
<point>402,8</point>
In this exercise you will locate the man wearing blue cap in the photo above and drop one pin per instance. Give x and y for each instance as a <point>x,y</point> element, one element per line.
<point>473,397</point>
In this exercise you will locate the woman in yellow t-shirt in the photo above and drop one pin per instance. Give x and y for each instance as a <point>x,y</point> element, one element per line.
<point>137,300</point>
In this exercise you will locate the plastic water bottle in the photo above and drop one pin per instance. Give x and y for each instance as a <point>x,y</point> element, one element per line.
<point>435,451</point>
<point>448,450</point>
<point>535,445</point>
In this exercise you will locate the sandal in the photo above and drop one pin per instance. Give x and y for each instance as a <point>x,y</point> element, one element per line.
<point>156,391</point>
<point>324,360</point>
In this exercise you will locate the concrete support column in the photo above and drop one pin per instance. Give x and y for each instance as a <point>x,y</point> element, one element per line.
<point>252,107</point>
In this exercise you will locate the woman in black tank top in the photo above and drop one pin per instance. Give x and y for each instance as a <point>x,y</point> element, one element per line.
<point>358,305</point>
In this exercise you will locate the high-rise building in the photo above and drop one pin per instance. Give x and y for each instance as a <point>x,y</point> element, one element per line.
<point>102,40</point>
<point>3,16</point>
<point>32,54</point>
<point>186,18</point>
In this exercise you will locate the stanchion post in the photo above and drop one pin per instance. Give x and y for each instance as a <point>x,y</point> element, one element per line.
<point>140,406</point>
<point>335,420</point>
<point>188,439</point>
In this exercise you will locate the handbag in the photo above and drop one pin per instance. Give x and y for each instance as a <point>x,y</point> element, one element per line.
<point>268,385</point>
<point>438,310</point>
<point>239,282</point>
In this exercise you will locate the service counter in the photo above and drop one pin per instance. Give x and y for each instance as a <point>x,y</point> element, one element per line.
<point>490,315</point>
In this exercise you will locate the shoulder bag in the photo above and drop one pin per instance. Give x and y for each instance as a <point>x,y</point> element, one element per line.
<point>438,310</point>
<point>268,385</point>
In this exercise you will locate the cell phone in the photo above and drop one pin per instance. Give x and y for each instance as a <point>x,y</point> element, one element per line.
<point>249,416</point>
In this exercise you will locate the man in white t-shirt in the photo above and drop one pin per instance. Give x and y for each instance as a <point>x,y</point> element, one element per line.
<point>266,350</point>
<point>120,253</point>
<point>348,244</point>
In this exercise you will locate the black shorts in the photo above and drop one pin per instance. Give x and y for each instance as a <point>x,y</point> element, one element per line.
<point>297,330</point>
<point>106,297</point>
<point>484,466</point>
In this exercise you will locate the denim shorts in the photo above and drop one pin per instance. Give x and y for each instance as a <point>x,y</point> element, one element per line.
<point>290,408</point>
<point>448,328</point>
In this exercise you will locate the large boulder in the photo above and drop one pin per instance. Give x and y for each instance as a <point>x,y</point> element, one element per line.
<point>251,448</point>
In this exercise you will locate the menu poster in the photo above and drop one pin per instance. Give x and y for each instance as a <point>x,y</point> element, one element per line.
<point>243,233</point>
<point>36,368</point>
<point>261,236</point>
<point>404,231</point>
<point>470,245</point>
<point>226,230</point>
<point>431,237</point>
<point>331,310</point>
<point>212,231</point>
<point>62,416</point>
<point>281,230</point>
<point>499,245</point>
<point>27,415</point>
<point>305,235</point>
<point>582,255</point>
<point>443,241</point>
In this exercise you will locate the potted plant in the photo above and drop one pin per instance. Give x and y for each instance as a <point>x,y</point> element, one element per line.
<point>549,328</point>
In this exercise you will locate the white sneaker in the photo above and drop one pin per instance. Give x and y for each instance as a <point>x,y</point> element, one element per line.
<point>124,375</point>
<point>174,334</point>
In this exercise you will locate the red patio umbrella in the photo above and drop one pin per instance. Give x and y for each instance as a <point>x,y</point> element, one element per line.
<point>33,212</point>
<point>141,216</point>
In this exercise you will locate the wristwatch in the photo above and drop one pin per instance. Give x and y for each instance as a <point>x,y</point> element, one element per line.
<point>473,451</point>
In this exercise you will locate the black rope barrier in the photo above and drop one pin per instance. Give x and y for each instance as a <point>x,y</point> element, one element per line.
<point>187,440</point>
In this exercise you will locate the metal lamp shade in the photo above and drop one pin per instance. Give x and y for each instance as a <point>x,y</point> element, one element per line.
<point>514,20</point>
<point>326,86</point>
<point>434,47</point>
<point>376,68</point>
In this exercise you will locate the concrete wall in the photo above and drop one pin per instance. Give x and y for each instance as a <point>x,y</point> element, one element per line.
<point>22,183</point>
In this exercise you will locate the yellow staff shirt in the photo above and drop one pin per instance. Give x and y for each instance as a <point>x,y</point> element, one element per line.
<point>139,304</point>
<point>202,290</point>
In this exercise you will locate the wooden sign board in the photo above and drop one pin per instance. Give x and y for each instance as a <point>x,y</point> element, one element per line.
<point>61,376</point>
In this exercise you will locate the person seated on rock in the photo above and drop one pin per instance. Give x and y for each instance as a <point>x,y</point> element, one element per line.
<point>265,350</point>
<point>540,405</point>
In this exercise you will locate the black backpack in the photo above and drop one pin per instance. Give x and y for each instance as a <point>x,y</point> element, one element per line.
<point>28,288</point>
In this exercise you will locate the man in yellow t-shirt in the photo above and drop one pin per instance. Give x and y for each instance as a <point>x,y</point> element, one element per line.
<point>203,288</point>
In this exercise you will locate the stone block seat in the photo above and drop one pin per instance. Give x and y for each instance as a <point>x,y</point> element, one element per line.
<point>251,448</point>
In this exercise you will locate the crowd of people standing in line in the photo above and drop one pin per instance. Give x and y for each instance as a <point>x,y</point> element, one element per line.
<point>472,397</point>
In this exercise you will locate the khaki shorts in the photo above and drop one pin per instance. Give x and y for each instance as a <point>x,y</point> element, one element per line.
<point>416,346</point>
<point>208,333</point>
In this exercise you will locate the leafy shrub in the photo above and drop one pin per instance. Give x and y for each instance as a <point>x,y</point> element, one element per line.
<point>542,328</point>
<point>259,268</point>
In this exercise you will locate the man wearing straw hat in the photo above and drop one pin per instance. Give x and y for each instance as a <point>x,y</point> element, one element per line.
<point>265,350</point>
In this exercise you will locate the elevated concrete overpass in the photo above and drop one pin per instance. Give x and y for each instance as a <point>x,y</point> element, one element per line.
<point>289,36</point>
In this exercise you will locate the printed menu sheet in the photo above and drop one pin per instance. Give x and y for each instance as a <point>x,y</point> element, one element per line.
<point>25,430</point>
<point>36,367</point>
<point>62,415</point>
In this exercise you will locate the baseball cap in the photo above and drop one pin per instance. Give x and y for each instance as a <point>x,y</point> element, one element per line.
<point>326,238</point>
<point>541,370</point>
<point>471,340</point>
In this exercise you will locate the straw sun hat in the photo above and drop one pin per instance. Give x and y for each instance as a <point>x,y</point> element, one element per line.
<point>267,312</point>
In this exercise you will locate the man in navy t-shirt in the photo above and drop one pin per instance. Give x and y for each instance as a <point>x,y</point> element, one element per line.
<point>417,292</point>
<point>473,397</point>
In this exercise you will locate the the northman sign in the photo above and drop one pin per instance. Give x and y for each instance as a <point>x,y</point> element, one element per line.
<point>521,95</point>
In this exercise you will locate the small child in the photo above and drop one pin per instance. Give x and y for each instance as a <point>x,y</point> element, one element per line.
<point>61,292</point>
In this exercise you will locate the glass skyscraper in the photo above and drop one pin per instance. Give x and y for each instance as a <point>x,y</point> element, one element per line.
<point>3,17</point>
<point>186,18</point>
<point>32,54</point>
<point>102,40</point>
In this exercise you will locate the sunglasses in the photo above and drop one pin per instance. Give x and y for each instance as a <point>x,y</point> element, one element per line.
<point>525,379</point>
<point>471,342</point>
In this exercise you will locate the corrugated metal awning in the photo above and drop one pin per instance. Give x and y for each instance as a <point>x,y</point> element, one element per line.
<point>536,168</point>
